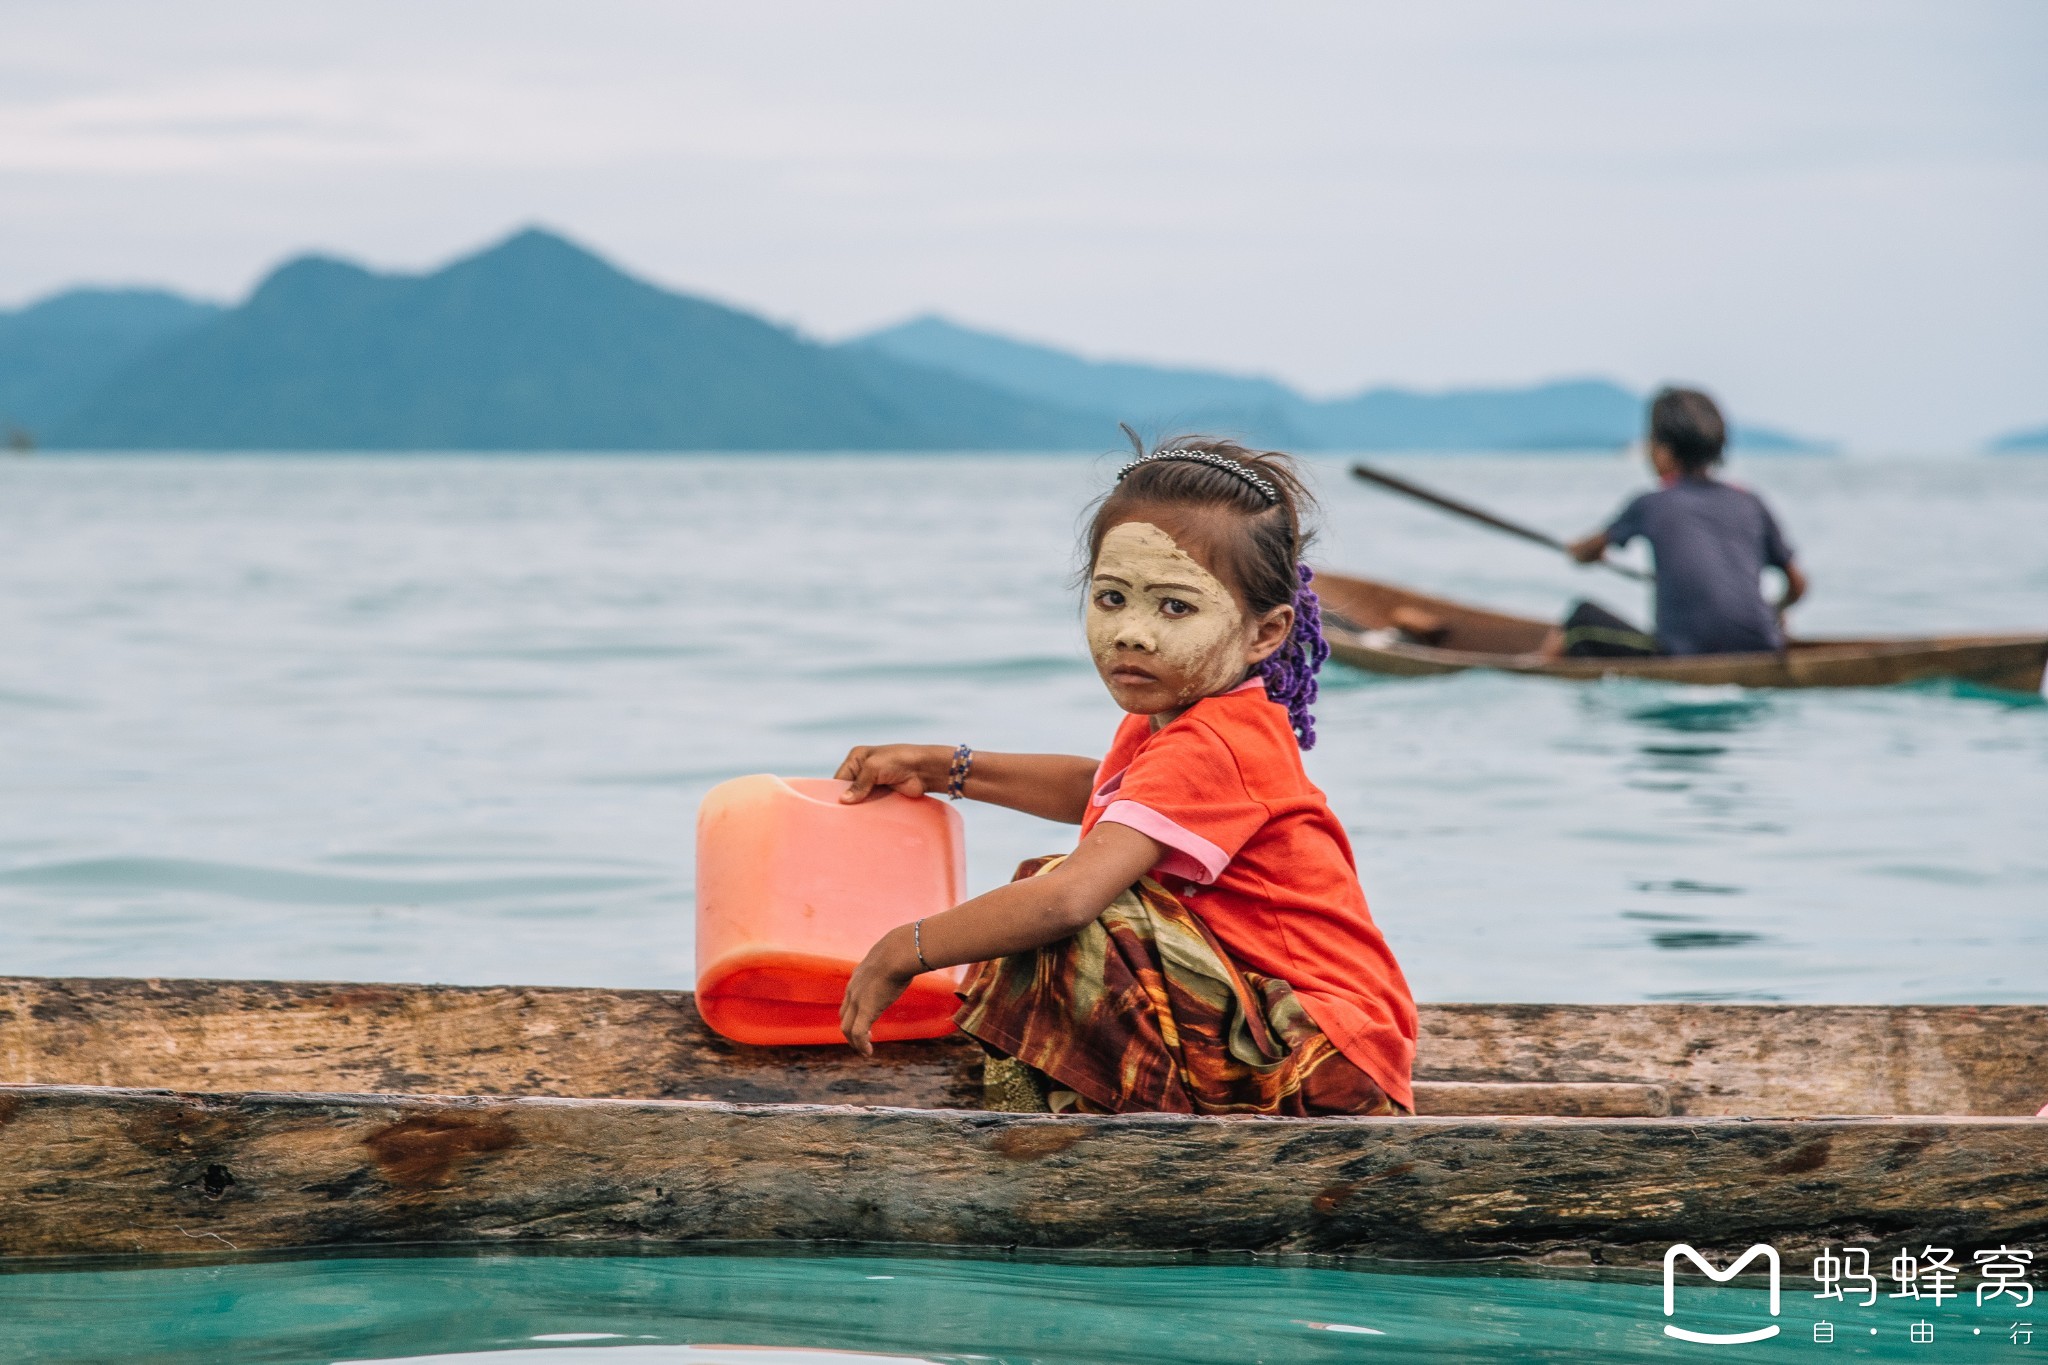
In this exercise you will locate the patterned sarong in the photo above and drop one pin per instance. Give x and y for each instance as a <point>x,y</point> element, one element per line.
<point>1143,1011</point>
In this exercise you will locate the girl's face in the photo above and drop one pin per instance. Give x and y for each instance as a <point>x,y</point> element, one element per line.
<point>1164,631</point>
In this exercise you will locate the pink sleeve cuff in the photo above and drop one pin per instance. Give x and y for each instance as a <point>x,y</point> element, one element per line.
<point>1189,855</point>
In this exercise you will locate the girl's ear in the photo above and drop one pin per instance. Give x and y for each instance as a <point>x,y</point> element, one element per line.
<point>1270,632</point>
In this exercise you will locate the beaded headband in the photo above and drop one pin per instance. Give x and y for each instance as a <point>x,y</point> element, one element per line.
<point>1263,487</point>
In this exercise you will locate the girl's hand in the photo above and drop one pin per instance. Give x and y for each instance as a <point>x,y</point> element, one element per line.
<point>912,769</point>
<point>880,979</point>
<point>1014,918</point>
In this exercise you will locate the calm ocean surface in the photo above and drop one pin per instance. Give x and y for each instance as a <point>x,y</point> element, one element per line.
<point>449,718</point>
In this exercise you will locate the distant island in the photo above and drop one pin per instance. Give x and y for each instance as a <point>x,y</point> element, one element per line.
<point>55,353</point>
<point>2022,442</point>
<point>538,344</point>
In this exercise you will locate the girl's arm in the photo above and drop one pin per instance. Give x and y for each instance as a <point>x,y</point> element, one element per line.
<point>1050,786</point>
<point>1010,919</point>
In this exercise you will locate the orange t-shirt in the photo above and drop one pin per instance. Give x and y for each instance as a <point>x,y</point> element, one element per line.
<point>1253,848</point>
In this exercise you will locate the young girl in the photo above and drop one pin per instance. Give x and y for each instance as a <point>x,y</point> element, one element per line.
<point>1206,948</point>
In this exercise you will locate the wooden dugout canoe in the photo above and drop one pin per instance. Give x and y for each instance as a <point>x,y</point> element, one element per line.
<point>164,1117</point>
<point>1387,629</point>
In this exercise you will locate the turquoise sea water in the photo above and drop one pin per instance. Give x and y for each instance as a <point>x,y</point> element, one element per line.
<point>805,1310</point>
<point>449,719</point>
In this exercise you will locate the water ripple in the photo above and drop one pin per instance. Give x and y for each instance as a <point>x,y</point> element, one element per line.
<point>96,876</point>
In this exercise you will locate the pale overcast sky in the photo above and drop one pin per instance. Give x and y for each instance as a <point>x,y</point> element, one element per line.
<point>1833,214</point>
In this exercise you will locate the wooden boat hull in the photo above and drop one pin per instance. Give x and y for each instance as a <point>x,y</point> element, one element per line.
<point>110,1172</point>
<point>616,1117</point>
<point>1361,627</point>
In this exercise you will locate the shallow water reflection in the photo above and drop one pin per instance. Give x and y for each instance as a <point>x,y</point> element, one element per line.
<point>1701,717</point>
<point>728,1309</point>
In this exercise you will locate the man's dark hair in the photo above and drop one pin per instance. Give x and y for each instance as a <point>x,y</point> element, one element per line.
<point>1690,426</point>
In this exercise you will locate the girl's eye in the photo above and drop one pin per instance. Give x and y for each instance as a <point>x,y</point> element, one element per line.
<point>1173,606</point>
<point>1109,599</point>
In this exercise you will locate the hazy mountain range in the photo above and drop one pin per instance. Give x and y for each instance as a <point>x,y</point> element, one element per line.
<point>534,344</point>
<point>56,353</point>
<point>2018,441</point>
<point>1577,414</point>
<point>537,344</point>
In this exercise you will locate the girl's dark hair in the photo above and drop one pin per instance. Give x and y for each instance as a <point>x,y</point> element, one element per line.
<point>1687,422</point>
<point>1261,556</point>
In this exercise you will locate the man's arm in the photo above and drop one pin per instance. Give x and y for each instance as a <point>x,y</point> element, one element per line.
<point>1588,549</point>
<point>1795,587</point>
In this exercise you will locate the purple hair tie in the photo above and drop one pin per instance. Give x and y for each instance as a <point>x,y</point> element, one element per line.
<point>1290,672</point>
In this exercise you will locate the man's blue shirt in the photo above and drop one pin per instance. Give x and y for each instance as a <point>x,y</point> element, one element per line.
<point>1712,543</point>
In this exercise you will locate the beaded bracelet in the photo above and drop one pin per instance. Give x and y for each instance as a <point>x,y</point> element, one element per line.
<point>917,944</point>
<point>956,776</point>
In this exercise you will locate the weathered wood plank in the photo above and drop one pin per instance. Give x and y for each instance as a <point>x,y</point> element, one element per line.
<point>410,1039</point>
<point>1760,1059</point>
<point>95,1171</point>
<point>310,1036</point>
<point>1559,1099</point>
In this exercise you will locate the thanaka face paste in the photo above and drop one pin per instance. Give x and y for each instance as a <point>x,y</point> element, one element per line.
<point>1163,630</point>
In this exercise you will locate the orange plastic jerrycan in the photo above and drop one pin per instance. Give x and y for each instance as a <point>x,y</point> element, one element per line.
<point>793,888</point>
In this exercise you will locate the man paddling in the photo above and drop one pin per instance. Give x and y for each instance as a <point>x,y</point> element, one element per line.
<point>1712,542</point>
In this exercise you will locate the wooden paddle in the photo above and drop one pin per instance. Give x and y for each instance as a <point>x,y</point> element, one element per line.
<point>1484,518</point>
